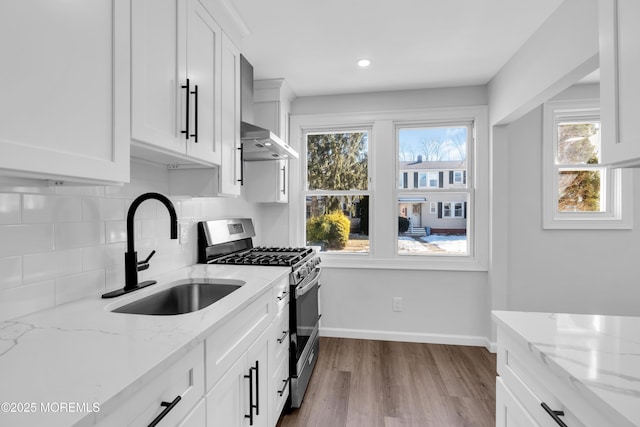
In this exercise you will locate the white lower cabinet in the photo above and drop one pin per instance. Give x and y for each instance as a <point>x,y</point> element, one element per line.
<point>197,417</point>
<point>174,393</point>
<point>238,377</point>
<point>526,386</point>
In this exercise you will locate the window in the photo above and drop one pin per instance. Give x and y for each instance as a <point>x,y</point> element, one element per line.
<point>346,170</point>
<point>337,190</point>
<point>438,154</point>
<point>580,192</point>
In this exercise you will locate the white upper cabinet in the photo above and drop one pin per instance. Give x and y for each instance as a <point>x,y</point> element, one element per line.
<point>268,181</point>
<point>175,72</point>
<point>64,108</point>
<point>230,174</point>
<point>619,83</point>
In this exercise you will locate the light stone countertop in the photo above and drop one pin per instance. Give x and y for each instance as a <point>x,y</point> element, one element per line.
<point>598,354</point>
<point>82,353</point>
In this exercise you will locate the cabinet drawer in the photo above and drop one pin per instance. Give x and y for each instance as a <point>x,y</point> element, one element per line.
<point>185,379</point>
<point>280,389</point>
<point>509,411</point>
<point>280,335</point>
<point>281,293</point>
<point>531,383</point>
<point>233,337</point>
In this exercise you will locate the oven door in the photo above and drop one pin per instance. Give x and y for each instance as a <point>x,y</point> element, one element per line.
<point>305,317</point>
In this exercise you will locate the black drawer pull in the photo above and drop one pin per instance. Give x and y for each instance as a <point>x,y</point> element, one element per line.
<point>186,108</point>
<point>195,119</point>
<point>284,387</point>
<point>283,337</point>
<point>251,405</point>
<point>283,296</point>
<point>168,407</point>
<point>554,414</point>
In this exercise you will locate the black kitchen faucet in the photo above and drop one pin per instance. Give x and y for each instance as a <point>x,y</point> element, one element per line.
<point>131,264</point>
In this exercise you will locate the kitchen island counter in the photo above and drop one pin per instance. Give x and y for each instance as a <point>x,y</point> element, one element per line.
<point>76,363</point>
<point>596,356</point>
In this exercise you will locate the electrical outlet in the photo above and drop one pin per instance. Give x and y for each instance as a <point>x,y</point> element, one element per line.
<point>183,232</point>
<point>396,303</point>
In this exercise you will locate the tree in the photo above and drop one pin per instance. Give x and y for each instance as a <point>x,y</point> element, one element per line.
<point>336,161</point>
<point>579,190</point>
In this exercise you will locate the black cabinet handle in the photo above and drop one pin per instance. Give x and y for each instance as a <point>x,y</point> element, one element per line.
<point>554,414</point>
<point>195,121</point>
<point>251,406</point>
<point>257,388</point>
<point>284,387</point>
<point>168,407</point>
<point>241,180</point>
<point>187,92</point>
<point>283,296</point>
<point>283,337</point>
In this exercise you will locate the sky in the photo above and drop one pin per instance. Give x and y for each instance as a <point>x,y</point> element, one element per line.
<point>411,141</point>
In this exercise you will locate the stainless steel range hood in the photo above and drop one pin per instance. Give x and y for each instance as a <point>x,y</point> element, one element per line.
<point>258,144</point>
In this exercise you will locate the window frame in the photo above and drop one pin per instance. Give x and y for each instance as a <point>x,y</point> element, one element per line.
<point>616,183</point>
<point>383,196</point>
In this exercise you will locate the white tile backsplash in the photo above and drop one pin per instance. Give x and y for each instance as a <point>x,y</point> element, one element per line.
<point>62,243</point>
<point>9,208</point>
<point>10,272</point>
<point>78,286</point>
<point>26,299</point>
<point>51,265</point>
<point>38,208</point>
<point>25,239</point>
<point>79,234</point>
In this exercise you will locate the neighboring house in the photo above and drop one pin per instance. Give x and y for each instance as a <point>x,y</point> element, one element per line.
<point>443,213</point>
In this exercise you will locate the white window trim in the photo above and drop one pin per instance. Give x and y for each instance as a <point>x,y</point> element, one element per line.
<point>382,163</point>
<point>618,182</point>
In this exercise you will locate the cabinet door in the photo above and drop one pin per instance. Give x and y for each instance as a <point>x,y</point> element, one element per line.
<point>64,109</point>
<point>619,85</point>
<point>509,412</point>
<point>228,402</point>
<point>258,359</point>
<point>157,73</point>
<point>267,181</point>
<point>203,46</point>
<point>230,174</point>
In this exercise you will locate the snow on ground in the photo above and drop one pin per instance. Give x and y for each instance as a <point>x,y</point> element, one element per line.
<point>434,243</point>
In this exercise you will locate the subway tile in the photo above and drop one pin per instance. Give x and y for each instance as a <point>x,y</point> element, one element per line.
<point>95,257</point>
<point>102,209</point>
<point>26,299</point>
<point>116,231</point>
<point>25,239</point>
<point>80,190</point>
<point>79,234</point>
<point>37,208</point>
<point>78,286</point>
<point>10,272</point>
<point>114,278</point>
<point>9,208</point>
<point>51,265</point>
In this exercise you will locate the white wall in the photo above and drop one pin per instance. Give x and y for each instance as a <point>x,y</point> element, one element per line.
<point>439,306</point>
<point>60,244</point>
<point>575,271</point>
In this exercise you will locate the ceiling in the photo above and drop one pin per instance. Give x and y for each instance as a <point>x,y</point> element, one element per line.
<point>314,45</point>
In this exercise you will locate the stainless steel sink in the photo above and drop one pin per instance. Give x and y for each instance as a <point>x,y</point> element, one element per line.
<point>185,296</point>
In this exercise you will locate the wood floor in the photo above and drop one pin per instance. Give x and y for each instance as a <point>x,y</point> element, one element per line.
<point>389,384</point>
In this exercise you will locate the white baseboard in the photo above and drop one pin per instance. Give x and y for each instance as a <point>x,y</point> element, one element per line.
<point>471,340</point>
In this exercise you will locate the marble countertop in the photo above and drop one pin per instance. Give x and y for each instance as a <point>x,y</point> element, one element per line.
<point>599,354</point>
<point>82,353</point>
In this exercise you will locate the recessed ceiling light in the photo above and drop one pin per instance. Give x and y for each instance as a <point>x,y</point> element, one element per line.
<point>364,63</point>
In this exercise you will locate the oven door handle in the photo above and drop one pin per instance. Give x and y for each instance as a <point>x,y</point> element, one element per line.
<point>310,283</point>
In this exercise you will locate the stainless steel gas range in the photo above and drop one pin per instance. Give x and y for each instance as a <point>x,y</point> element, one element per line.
<point>230,241</point>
